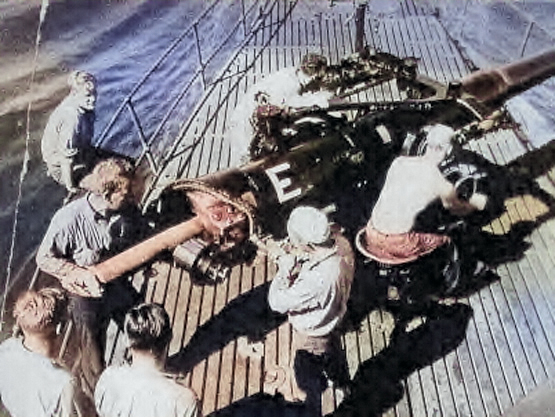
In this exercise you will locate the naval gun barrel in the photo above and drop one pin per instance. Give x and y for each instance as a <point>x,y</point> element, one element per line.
<point>496,85</point>
<point>137,255</point>
<point>487,87</point>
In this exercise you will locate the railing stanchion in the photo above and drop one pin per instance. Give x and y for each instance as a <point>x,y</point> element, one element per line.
<point>199,55</point>
<point>525,38</point>
<point>142,138</point>
<point>244,18</point>
<point>465,10</point>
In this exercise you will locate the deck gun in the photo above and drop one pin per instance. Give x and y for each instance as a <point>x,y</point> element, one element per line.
<point>344,160</point>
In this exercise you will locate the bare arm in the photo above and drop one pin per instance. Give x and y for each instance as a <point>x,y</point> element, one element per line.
<point>77,280</point>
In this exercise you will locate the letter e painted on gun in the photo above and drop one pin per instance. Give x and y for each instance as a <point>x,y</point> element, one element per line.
<point>281,184</point>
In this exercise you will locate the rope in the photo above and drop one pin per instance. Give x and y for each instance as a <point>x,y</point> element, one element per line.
<point>25,166</point>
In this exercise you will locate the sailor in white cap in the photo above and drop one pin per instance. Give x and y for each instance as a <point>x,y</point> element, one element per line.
<point>312,287</point>
<point>412,183</point>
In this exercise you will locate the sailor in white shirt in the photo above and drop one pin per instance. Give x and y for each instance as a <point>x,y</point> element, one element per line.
<point>312,287</point>
<point>32,383</point>
<point>142,388</point>
<point>281,88</point>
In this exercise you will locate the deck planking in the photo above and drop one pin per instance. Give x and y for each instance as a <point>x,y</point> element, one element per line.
<point>507,351</point>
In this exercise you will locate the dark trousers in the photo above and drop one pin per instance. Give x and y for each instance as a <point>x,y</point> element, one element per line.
<point>90,320</point>
<point>95,313</point>
<point>318,360</point>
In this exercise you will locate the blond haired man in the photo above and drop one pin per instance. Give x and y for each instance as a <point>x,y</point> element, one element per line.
<point>32,383</point>
<point>86,231</point>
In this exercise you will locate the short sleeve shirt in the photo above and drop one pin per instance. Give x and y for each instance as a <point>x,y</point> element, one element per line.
<point>30,384</point>
<point>67,130</point>
<point>127,391</point>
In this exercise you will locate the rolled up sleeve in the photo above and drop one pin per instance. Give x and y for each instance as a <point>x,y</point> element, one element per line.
<point>303,294</point>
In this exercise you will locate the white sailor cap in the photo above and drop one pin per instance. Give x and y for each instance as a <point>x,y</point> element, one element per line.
<point>440,136</point>
<point>308,225</point>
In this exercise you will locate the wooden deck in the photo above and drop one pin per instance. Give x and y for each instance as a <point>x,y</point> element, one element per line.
<point>509,348</point>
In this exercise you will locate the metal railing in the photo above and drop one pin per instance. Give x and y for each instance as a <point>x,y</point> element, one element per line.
<point>178,147</point>
<point>127,116</point>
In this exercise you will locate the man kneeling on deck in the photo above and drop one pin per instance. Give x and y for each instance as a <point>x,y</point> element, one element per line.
<point>141,388</point>
<point>312,286</point>
<point>82,233</point>
<point>412,184</point>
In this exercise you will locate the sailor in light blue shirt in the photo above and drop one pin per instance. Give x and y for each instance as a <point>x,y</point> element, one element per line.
<point>312,287</point>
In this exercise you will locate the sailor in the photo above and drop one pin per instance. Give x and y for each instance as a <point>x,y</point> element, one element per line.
<point>84,232</point>
<point>285,87</point>
<point>32,382</point>
<point>412,184</point>
<point>141,387</point>
<point>67,139</point>
<point>312,286</point>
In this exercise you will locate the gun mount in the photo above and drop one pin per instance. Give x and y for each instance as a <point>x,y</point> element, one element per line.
<point>319,158</point>
<point>364,69</point>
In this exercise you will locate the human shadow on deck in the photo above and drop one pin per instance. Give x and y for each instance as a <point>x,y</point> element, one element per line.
<point>535,163</point>
<point>247,315</point>
<point>377,384</point>
<point>500,184</point>
<point>262,405</point>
